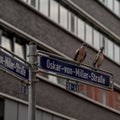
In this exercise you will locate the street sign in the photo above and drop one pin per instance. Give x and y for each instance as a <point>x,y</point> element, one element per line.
<point>72,86</point>
<point>14,65</point>
<point>82,74</point>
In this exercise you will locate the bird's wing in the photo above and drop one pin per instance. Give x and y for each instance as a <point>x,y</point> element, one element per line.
<point>85,55</point>
<point>101,58</point>
<point>95,59</point>
<point>76,54</point>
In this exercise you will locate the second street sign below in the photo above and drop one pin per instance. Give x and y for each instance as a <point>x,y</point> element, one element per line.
<point>14,65</point>
<point>81,74</point>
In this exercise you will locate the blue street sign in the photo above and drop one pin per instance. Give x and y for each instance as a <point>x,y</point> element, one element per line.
<point>13,65</point>
<point>81,74</point>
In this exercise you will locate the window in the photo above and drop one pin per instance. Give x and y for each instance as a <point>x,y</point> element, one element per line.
<point>81,29</point>
<point>110,49</point>
<point>61,81</point>
<point>113,5</point>
<point>44,7</point>
<point>54,10</point>
<point>1,109</point>
<point>96,39</point>
<point>27,52</point>
<point>116,7</point>
<point>101,0</point>
<point>25,0</point>
<point>110,4</point>
<point>33,2</point>
<point>28,1</point>
<point>13,44</point>
<point>19,49</point>
<point>72,23</point>
<point>6,43</point>
<point>52,78</point>
<point>116,53</point>
<point>63,16</point>
<point>89,34</point>
<point>105,44</point>
<point>104,97</point>
<point>105,2</point>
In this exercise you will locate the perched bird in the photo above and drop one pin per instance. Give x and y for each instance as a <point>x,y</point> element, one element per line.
<point>80,54</point>
<point>98,59</point>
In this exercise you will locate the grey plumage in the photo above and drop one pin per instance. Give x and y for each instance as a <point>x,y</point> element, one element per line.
<point>80,53</point>
<point>98,59</point>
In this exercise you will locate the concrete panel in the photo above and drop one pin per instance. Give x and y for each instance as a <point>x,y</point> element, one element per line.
<point>38,115</point>
<point>10,110</point>
<point>46,116</point>
<point>57,118</point>
<point>22,112</point>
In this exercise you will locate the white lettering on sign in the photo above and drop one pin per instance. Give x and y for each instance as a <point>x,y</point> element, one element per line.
<point>68,70</point>
<point>20,69</point>
<point>14,66</point>
<point>8,63</point>
<point>81,73</point>
<point>53,66</point>
<point>98,79</point>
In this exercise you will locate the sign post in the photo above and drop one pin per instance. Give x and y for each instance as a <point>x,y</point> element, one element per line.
<point>32,79</point>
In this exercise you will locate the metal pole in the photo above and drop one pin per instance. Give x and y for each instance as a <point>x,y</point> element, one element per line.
<point>32,79</point>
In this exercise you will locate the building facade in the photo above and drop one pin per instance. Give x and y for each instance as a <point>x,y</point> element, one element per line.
<point>60,27</point>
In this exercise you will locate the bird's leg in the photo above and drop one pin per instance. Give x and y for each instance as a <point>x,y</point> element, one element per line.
<point>79,63</point>
<point>96,68</point>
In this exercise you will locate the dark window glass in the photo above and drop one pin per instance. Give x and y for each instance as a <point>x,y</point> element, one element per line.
<point>1,109</point>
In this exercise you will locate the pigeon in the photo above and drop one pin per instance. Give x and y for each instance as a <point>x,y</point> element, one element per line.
<point>98,59</point>
<point>80,54</point>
